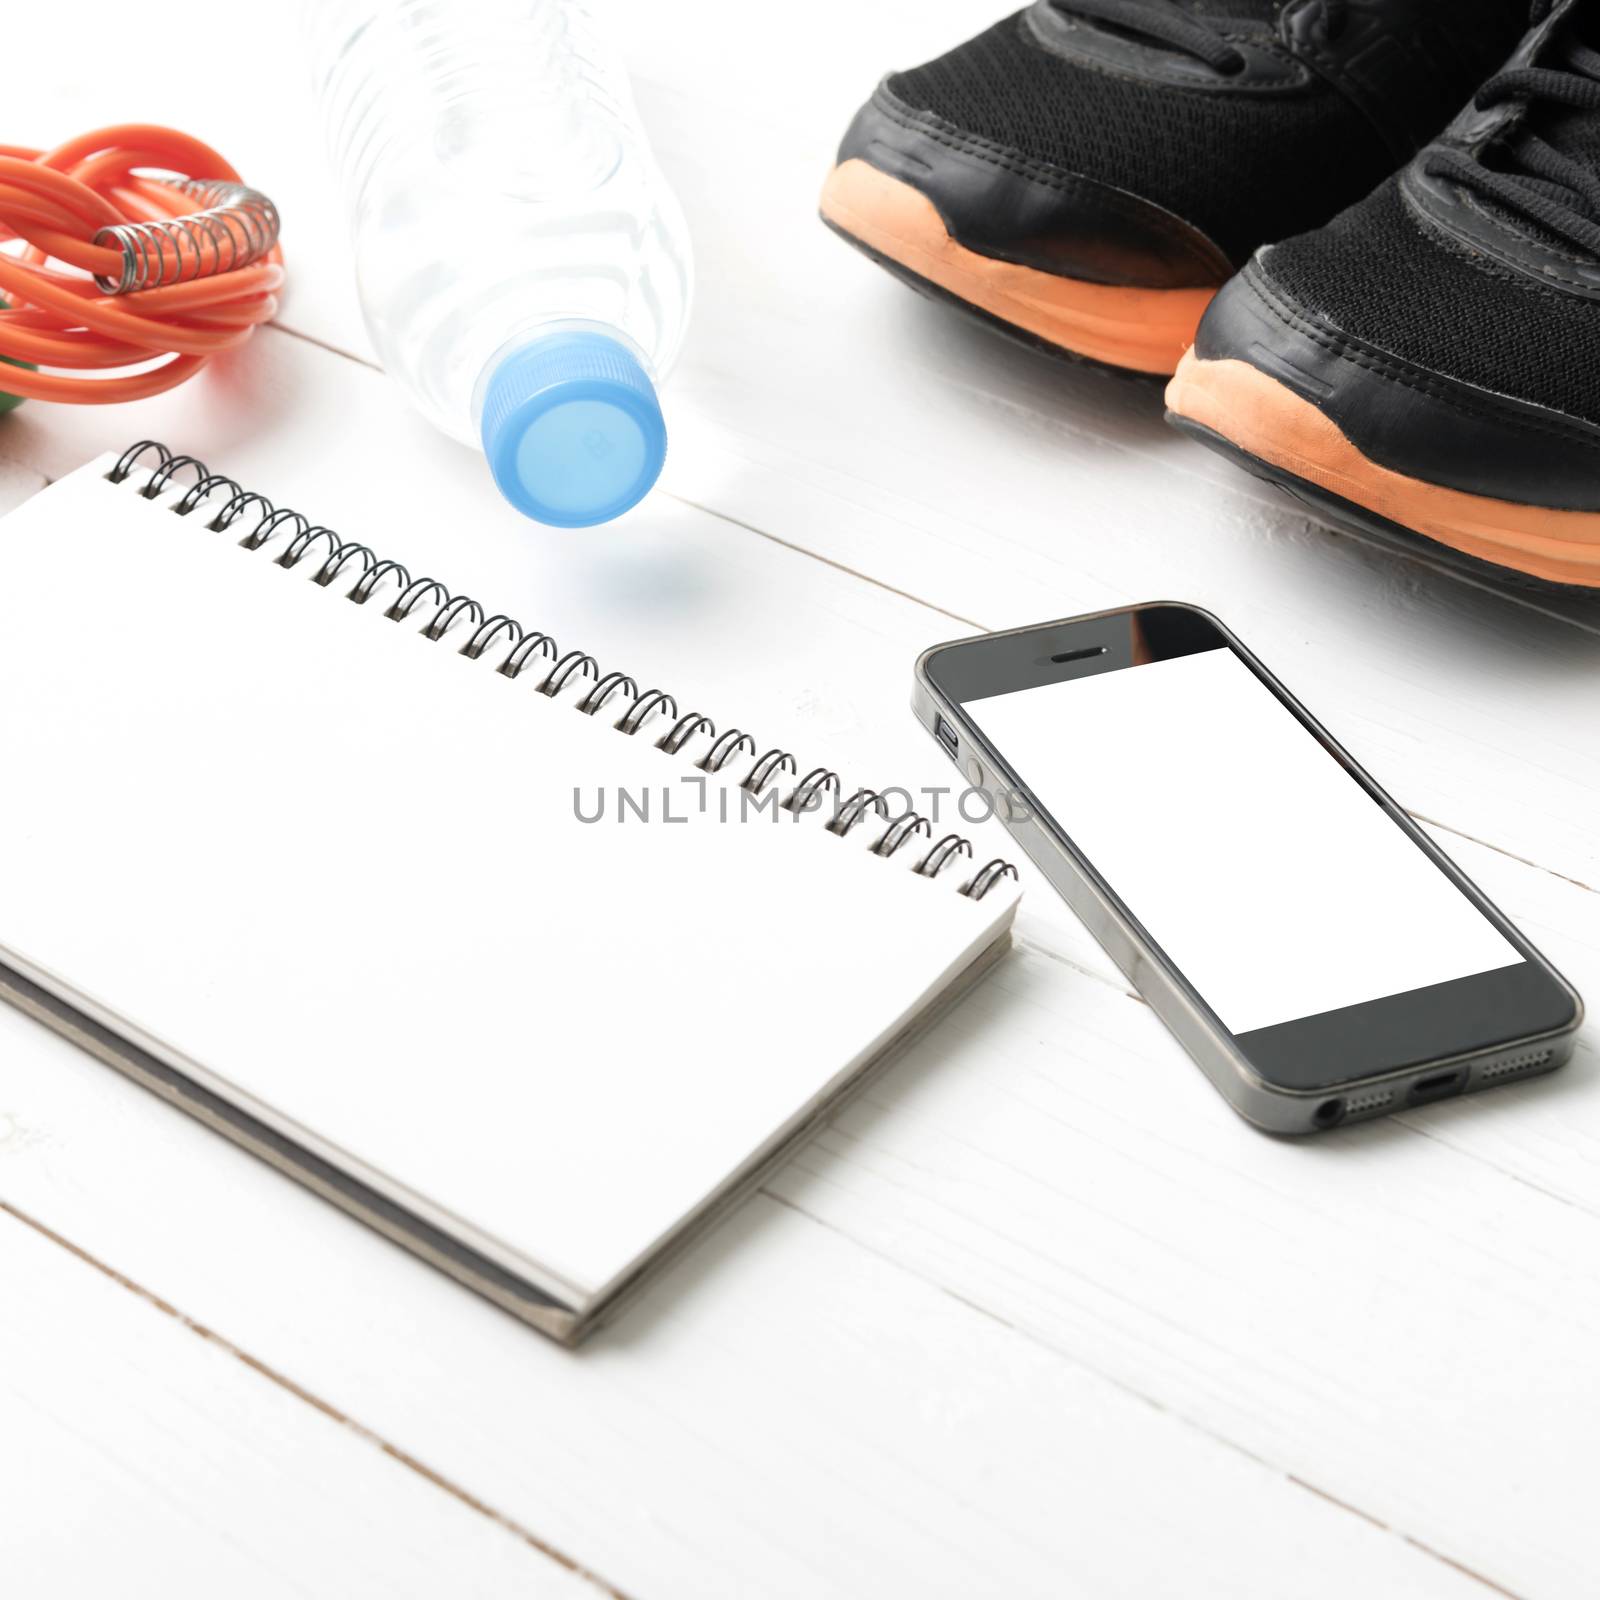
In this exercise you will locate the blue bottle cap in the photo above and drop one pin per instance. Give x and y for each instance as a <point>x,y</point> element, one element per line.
<point>572,428</point>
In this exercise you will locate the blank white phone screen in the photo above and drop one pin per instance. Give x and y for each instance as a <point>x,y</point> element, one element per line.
<point>1268,875</point>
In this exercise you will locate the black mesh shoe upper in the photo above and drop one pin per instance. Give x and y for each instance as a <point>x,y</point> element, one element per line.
<point>1380,274</point>
<point>1481,262</point>
<point>1241,164</point>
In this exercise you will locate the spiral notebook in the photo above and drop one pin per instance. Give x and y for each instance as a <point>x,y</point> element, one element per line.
<point>249,856</point>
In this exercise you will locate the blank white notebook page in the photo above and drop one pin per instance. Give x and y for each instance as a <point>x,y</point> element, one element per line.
<point>334,869</point>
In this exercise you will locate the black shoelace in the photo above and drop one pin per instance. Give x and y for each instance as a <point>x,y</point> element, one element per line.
<point>1557,192</point>
<point>1167,23</point>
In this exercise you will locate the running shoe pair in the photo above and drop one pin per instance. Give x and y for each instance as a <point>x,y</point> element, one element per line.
<point>1111,180</point>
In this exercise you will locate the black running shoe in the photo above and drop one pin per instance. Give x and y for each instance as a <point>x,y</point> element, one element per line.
<point>1086,173</point>
<point>1429,363</point>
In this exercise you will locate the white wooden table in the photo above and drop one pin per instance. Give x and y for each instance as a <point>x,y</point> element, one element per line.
<point>1040,1317</point>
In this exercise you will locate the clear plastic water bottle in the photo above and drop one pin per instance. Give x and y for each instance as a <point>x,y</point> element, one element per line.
<point>524,269</point>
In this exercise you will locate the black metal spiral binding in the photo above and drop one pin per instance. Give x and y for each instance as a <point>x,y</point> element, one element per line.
<point>683,730</point>
<point>767,768</point>
<point>725,749</point>
<point>480,632</point>
<point>651,701</point>
<point>604,690</point>
<point>811,788</point>
<point>950,846</point>
<point>901,831</point>
<point>855,808</point>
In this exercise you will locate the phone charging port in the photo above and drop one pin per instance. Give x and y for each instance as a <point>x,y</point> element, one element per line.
<point>1437,1086</point>
<point>945,734</point>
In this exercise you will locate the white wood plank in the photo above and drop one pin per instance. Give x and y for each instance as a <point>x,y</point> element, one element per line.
<point>785,1415</point>
<point>142,1456</point>
<point>17,482</point>
<point>1382,1311</point>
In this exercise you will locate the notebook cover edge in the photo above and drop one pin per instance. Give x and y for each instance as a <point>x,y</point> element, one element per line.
<point>609,1304</point>
<point>522,1299</point>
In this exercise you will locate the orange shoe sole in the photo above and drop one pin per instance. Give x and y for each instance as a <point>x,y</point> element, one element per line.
<point>1268,422</point>
<point>1142,330</point>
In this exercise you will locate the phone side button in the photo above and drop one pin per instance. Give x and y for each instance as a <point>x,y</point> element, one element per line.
<point>975,772</point>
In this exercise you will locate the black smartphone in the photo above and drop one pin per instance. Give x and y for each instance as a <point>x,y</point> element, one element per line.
<point>1312,948</point>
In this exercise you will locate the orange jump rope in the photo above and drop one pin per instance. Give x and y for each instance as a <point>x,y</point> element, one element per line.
<point>125,269</point>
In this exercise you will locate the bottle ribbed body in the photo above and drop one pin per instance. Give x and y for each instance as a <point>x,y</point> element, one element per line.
<point>498,184</point>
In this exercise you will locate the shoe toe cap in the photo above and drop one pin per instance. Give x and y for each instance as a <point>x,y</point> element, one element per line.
<point>1000,203</point>
<point>1410,418</point>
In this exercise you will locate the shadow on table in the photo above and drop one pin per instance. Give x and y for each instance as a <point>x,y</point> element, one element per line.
<point>960,1178</point>
<point>1127,411</point>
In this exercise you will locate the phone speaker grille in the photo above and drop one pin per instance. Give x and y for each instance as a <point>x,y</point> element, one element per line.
<point>1512,1065</point>
<point>1372,1100</point>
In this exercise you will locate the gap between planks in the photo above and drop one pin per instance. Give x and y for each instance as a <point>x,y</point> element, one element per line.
<point>970,622</point>
<point>1409,1120</point>
<point>1557,607</point>
<point>551,1553</point>
<point>298,1392</point>
<point>1019,1331</point>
